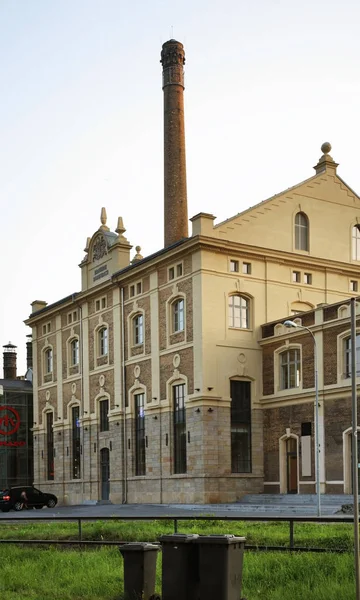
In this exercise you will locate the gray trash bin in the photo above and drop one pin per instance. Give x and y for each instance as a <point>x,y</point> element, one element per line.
<point>180,573</point>
<point>220,566</point>
<point>139,570</point>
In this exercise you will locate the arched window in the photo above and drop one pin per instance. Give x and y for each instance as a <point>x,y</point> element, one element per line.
<point>138,329</point>
<point>179,423</point>
<point>103,341</point>
<point>48,361</point>
<point>356,242</point>
<point>301,231</point>
<point>74,352</point>
<point>239,312</point>
<point>178,315</point>
<point>290,369</point>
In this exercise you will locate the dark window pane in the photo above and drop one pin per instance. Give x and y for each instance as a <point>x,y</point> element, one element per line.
<point>139,435</point>
<point>240,417</point>
<point>76,473</point>
<point>179,417</point>
<point>104,419</point>
<point>50,446</point>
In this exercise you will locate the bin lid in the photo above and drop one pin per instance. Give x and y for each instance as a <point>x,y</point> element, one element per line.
<point>226,538</point>
<point>138,547</point>
<point>178,537</point>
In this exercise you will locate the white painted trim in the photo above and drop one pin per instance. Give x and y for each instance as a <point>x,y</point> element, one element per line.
<point>271,482</point>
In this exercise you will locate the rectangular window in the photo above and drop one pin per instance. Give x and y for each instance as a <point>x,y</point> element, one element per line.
<point>178,316</point>
<point>348,356</point>
<point>239,314</point>
<point>74,352</point>
<point>305,429</point>
<point>240,419</point>
<point>234,266</point>
<point>296,276</point>
<point>290,369</point>
<point>138,337</point>
<point>353,286</point>
<point>179,270</point>
<point>103,341</point>
<point>138,288</point>
<point>171,273</point>
<point>76,442</point>
<point>179,418</point>
<point>48,361</point>
<point>49,447</point>
<point>139,434</point>
<point>69,318</point>
<point>104,302</point>
<point>104,419</point>
<point>246,268</point>
<point>132,291</point>
<point>308,278</point>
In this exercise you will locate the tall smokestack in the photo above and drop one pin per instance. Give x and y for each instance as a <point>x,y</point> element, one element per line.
<point>9,361</point>
<point>175,197</point>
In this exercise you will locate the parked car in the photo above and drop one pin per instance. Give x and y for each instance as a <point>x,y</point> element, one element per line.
<point>13,497</point>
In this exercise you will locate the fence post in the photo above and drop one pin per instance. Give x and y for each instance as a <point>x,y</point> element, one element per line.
<point>175,526</point>
<point>291,533</point>
<point>80,531</point>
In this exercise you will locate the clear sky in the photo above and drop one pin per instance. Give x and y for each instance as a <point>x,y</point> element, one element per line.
<point>267,82</point>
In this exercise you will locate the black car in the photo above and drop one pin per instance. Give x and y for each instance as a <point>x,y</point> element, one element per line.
<point>13,497</point>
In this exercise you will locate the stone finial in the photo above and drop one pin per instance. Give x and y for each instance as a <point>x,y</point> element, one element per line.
<point>103,219</point>
<point>326,162</point>
<point>137,256</point>
<point>87,245</point>
<point>120,229</point>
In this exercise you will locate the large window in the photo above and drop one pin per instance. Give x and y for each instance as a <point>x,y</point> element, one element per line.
<point>240,426</point>
<point>347,361</point>
<point>179,418</point>
<point>103,341</point>
<point>138,330</point>
<point>178,316</point>
<point>104,419</point>
<point>290,369</point>
<point>356,242</point>
<point>239,312</point>
<point>75,415</point>
<point>139,434</point>
<point>74,351</point>
<point>301,232</point>
<point>49,446</point>
<point>48,361</point>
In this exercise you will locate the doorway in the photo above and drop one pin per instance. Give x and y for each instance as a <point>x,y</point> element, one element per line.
<point>291,465</point>
<point>105,473</point>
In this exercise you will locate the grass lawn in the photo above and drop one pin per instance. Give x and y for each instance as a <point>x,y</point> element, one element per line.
<point>331,536</point>
<point>51,574</point>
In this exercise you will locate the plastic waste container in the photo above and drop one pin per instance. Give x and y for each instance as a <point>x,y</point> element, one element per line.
<point>180,572</point>
<point>139,570</point>
<point>220,566</point>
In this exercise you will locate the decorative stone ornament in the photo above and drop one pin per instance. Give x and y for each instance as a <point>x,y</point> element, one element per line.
<point>136,371</point>
<point>176,361</point>
<point>47,395</point>
<point>73,388</point>
<point>102,380</point>
<point>99,249</point>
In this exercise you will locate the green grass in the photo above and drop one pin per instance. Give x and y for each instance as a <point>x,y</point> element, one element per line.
<point>331,536</point>
<point>51,574</point>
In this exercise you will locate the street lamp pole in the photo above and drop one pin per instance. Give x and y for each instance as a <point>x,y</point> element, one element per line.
<point>317,439</point>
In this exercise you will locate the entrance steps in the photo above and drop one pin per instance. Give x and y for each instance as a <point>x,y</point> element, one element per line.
<point>301,504</point>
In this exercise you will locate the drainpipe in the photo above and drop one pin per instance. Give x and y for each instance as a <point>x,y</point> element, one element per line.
<point>123,393</point>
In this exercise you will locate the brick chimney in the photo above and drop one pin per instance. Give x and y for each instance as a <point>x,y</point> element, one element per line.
<point>175,196</point>
<point>9,361</point>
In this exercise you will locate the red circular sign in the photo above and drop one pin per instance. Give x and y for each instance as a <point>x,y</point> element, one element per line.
<point>9,420</point>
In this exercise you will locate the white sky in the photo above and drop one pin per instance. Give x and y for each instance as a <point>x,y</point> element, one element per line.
<point>81,121</point>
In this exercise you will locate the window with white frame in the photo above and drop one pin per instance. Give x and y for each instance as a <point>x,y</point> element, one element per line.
<point>290,369</point>
<point>234,266</point>
<point>138,329</point>
<point>246,268</point>
<point>178,316</point>
<point>103,341</point>
<point>301,231</point>
<point>353,285</point>
<point>101,303</point>
<point>48,357</point>
<point>347,358</point>
<point>74,352</point>
<point>239,312</point>
<point>140,462</point>
<point>175,271</point>
<point>179,423</point>
<point>308,278</point>
<point>356,242</point>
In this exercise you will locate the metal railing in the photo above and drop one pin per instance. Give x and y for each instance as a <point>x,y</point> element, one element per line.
<point>82,543</point>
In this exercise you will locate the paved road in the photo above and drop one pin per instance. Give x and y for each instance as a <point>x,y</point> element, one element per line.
<point>154,511</point>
